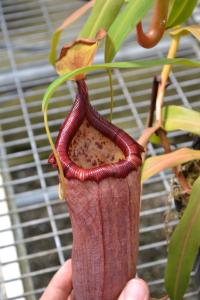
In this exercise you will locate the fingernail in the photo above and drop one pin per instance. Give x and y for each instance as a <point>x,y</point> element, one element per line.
<point>136,289</point>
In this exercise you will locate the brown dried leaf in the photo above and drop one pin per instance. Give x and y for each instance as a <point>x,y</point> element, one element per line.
<point>193,29</point>
<point>78,54</point>
<point>156,164</point>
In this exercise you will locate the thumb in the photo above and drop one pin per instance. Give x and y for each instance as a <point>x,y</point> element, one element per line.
<point>136,289</point>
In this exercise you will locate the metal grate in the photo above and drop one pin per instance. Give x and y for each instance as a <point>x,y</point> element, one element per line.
<point>35,233</point>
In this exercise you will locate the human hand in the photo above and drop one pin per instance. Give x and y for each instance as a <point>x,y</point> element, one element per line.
<point>60,287</point>
<point>135,289</point>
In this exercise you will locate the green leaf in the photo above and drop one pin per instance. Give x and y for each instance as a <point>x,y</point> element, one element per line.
<point>156,164</point>
<point>123,24</point>
<point>183,247</point>
<point>54,43</point>
<point>154,139</point>
<point>102,16</point>
<point>180,11</point>
<point>120,65</point>
<point>67,22</point>
<point>177,117</point>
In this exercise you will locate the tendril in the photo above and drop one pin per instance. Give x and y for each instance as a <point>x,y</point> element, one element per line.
<point>157,26</point>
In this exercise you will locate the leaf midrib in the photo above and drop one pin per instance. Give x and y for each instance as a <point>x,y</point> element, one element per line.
<point>99,17</point>
<point>122,23</point>
<point>189,230</point>
<point>179,12</point>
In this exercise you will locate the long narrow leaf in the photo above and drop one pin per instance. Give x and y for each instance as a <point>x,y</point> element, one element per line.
<point>102,16</point>
<point>177,117</point>
<point>69,20</point>
<point>156,164</point>
<point>180,11</point>
<point>120,65</point>
<point>123,24</point>
<point>184,247</point>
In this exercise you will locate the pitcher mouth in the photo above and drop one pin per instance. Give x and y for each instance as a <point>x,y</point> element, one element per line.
<point>83,111</point>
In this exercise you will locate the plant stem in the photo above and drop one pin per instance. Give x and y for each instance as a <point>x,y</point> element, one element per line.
<point>164,78</point>
<point>111,94</point>
<point>154,96</point>
<point>150,130</point>
<point>159,103</point>
<point>154,93</point>
<point>156,87</point>
<point>166,145</point>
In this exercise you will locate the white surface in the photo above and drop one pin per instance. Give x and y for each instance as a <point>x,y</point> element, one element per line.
<point>12,270</point>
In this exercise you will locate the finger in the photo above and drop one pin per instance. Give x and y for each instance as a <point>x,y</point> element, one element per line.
<point>60,285</point>
<point>136,289</point>
<point>70,296</point>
